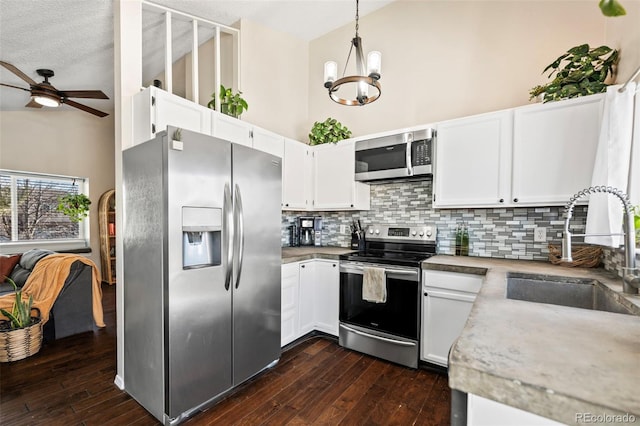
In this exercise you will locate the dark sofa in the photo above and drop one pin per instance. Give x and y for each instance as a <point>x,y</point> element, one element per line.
<point>72,312</point>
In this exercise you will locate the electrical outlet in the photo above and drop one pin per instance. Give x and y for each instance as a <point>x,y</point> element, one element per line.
<point>343,229</point>
<point>540,234</point>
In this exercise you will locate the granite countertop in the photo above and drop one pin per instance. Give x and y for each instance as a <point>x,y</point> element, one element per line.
<point>550,360</point>
<point>297,254</point>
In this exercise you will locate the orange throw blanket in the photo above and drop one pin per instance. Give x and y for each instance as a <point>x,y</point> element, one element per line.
<point>46,282</point>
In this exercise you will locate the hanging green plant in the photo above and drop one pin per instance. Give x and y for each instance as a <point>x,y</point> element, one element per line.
<point>611,8</point>
<point>330,130</point>
<point>76,206</point>
<point>584,72</point>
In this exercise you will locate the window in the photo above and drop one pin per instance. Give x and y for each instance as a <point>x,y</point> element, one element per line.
<point>29,216</point>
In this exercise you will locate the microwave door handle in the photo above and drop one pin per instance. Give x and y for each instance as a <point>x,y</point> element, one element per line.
<point>408,139</point>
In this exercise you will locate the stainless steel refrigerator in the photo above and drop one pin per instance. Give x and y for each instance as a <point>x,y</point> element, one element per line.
<point>202,261</point>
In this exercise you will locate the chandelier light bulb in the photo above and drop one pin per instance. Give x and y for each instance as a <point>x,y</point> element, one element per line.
<point>374,64</point>
<point>330,73</point>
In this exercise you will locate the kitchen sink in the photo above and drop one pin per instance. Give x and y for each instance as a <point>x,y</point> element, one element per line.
<point>572,292</point>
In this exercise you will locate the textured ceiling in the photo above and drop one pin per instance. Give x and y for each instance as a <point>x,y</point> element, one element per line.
<point>75,37</point>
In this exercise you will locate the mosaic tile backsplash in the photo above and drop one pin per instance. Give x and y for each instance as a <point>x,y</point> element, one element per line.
<point>498,232</point>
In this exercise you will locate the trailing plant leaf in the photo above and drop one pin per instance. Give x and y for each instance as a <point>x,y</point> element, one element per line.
<point>330,130</point>
<point>230,103</point>
<point>611,8</point>
<point>578,72</point>
<point>76,206</point>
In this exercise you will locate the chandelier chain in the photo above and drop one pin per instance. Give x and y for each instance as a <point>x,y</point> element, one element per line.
<point>357,16</point>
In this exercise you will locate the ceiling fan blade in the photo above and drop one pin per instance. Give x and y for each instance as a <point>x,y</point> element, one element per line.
<point>19,73</point>
<point>33,104</point>
<point>84,108</point>
<point>15,87</point>
<point>93,94</point>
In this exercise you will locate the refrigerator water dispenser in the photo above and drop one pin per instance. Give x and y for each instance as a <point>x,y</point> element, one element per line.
<point>201,237</point>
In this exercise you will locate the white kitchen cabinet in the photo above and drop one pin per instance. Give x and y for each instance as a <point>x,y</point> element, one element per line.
<point>447,301</point>
<point>289,306</point>
<point>297,176</point>
<point>554,149</point>
<point>306,309</point>
<point>231,129</point>
<point>473,161</point>
<point>334,182</point>
<point>327,296</point>
<point>485,412</point>
<point>267,141</point>
<point>154,110</point>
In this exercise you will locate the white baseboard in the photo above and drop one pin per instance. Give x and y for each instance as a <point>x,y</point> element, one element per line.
<point>119,382</point>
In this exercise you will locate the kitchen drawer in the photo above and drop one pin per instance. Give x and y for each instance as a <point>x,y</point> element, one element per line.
<point>469,283</point>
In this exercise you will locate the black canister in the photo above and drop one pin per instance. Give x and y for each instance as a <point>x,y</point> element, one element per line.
<point>294,240</point>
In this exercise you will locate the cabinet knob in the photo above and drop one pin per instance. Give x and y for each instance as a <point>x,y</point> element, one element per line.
<point>302,266</point>
<point>334,265</point>
<point>287,204</point>
<point>426,294</point>
<point>351,205</point>
<point>502,200</point>
<point>515,200</point>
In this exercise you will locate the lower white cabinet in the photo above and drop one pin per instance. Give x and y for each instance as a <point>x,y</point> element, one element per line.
<point>289,308</point>
<point>327,296</point>
<point>310,298</point>
<point>447,301</point>
<point>485,412</point>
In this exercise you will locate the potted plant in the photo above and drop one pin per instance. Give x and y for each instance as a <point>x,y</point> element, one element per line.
<point>76,206</point>
<point>330,130</point>
<point>583,72</point>
<point>636,222</point>
<point>21,334</point>
<point>230,103</point>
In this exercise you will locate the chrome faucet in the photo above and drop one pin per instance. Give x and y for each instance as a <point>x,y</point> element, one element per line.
<point>630,274</point>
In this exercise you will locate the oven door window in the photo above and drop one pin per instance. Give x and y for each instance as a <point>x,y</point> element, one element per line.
<point>388,157</point>
<point>399,315</point>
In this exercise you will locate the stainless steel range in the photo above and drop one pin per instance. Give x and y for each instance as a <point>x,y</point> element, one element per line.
<point>380,289</point>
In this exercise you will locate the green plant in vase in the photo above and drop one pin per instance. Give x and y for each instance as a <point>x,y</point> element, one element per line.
<point>20,315</point>
<point>330,130</point>
<point>76,206</point>
<point>580,71</point>
<point>230,103</point>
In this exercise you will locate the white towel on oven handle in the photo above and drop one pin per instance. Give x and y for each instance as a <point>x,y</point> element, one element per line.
<point>374,285</point>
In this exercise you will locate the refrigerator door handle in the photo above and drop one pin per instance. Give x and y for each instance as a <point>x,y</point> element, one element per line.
<point>227,241</point>
<point>239,226</point>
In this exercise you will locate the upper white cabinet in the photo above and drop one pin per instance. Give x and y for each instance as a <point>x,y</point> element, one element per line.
<point>537,155</point>
<point>154,110</point>
<point>473,159</point>
<point>334,182</point>
<point>297,176</point>
<point>231,129</point>
<point>554,149</point>
<point>267,141</point>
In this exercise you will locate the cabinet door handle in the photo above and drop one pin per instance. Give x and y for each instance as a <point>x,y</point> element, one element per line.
<point>302,266</point>
<point>502,200</point>
<point>426,294</point>
<point>334,265</point>
<point>515,200</point>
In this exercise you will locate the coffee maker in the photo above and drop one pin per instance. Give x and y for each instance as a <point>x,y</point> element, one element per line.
<point>310,231</point>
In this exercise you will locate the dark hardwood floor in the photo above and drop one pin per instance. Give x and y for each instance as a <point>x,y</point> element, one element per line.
<point>70,382</point>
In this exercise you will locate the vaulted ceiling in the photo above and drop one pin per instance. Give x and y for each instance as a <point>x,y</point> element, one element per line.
<point>75,37</point>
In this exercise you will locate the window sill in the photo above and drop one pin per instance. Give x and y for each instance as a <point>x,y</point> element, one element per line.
<point>62,246</point>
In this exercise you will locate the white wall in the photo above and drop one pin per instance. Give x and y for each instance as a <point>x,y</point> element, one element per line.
<point>65,143</point>
<point>447,59</point>
<point>623,33</point>
<point>274,79</point>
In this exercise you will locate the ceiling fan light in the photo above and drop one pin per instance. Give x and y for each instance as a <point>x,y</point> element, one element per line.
<point>45,100</point>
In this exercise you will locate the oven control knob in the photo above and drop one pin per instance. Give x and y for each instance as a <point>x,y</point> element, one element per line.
<point>377,231</point>
<point>414,233</point>
<point>428,233</point>
<point>371,231</point>
<point>421,234</point>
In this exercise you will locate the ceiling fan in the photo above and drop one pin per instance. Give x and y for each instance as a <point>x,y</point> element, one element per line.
<point>44,94</point>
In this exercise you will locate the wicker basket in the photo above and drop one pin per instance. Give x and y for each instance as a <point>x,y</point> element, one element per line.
<point>584,256</point>
<point>17,344</point>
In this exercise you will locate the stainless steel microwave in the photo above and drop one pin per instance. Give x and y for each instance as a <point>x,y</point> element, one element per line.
<point>402,155</point>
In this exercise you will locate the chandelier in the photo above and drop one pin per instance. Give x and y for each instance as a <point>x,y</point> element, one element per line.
<point>363,82</point>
